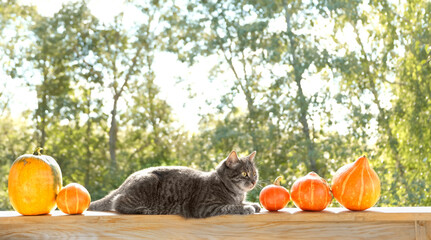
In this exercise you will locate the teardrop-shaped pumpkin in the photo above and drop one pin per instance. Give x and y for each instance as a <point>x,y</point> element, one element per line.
<point>33,184</point>
<point>274,197</point>
<point>356,186</point>
<point>73,199</point>
<point>311,193</point>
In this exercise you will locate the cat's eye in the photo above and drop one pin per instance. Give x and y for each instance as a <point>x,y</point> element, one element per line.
<point>244,174</point>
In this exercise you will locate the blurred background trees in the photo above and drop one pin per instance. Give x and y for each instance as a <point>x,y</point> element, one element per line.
<point>310,86</point>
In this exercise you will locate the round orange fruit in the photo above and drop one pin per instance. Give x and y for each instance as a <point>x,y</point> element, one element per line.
<point>73,199</point>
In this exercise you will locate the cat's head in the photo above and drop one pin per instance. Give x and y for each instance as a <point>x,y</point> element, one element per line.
<point>240,172</point>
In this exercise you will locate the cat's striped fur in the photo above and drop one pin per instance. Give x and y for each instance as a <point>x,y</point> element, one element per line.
<point>185,191</point>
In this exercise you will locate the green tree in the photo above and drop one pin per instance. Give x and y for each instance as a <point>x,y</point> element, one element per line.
<point>232,32</point>
<point>15,21</point>
<point>240,33</point>
<point>365,72</point>
<point>412,104</point>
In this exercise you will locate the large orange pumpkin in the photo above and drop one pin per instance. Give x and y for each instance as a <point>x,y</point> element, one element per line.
<point>73,199</point>
<point>274,197</point>
<point>356,186</point>
<point>311,193</point>
<point>33,184</point>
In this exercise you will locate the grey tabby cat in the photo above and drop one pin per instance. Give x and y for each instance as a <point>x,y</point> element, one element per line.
<point>185,191</point>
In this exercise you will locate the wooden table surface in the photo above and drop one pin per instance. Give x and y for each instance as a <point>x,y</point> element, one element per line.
<point>289,223</point>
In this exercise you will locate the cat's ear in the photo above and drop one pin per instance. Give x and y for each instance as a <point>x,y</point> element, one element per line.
<point>232,160</point>
<point>252,155</point>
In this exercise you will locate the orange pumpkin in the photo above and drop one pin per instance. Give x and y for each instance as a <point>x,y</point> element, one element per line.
<point>356,186</point>
<point>33,184</point>
<point>311,193</point>
<point>73,199</point>
<point>274,197</point>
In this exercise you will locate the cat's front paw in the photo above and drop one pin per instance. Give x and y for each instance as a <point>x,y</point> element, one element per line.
<point>256,207</point>
<point>248,209</point>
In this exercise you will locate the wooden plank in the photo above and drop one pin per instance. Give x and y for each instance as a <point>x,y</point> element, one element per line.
<point>212,229</point>
<point>428,229</point>
<point>422,228</point>
<point>420,231</point>
<point>287,214</point>
<point>334,223</point>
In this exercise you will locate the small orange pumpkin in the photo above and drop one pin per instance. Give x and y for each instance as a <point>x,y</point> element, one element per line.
<point>356,186</point>
<point>73,199</point>
<point>311,193</point>
<point>33,184</point>
<point>274,197</point>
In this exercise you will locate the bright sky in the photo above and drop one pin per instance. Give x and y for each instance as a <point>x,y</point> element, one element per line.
<point>168,69</point>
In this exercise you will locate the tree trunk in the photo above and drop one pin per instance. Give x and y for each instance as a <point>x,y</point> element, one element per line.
<point>383,121</point>
<point>250,101</point>
<point>303,104</point>
<point>152,113</point>
<point>43,128</point>
<point>252,115</point>
<point>113,137</point>
<point>117,94</point>
<point>43,107</point>
<point>88,139</point>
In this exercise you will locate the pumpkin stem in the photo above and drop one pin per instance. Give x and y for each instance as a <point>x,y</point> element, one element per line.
<point>38,151</point>
<point>277,180</point>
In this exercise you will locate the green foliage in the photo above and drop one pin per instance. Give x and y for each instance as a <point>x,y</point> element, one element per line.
<point>314,101</point>
<point>16,140</point>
